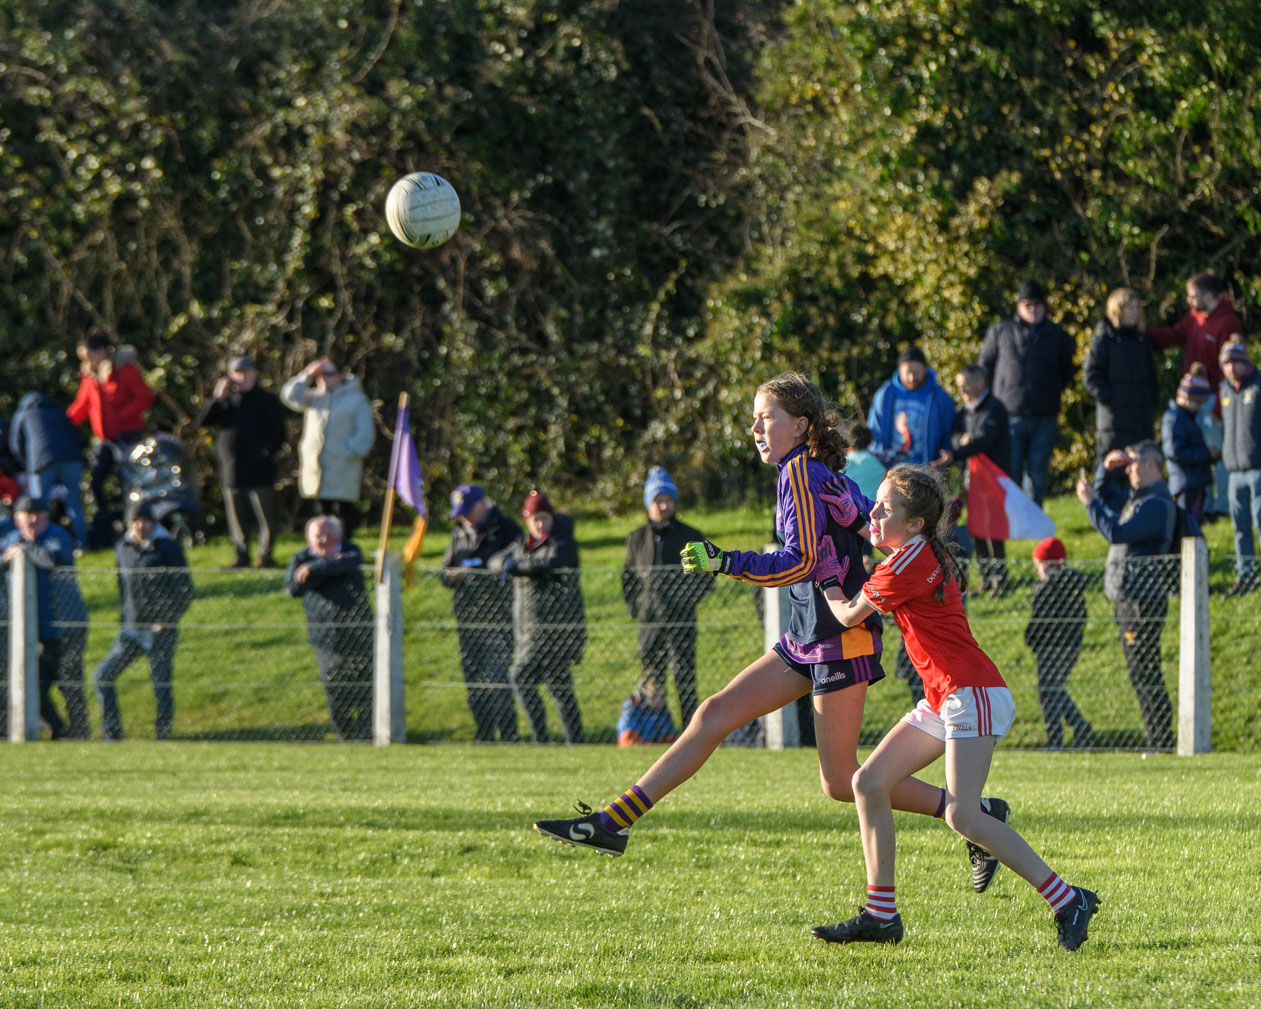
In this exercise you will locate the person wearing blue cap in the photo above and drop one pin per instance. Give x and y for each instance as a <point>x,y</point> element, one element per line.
<point>482,603</point>
<point>660,594</point>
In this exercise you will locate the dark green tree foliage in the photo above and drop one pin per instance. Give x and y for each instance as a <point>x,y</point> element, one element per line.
<point>206,179</point>
<point>921,158</point>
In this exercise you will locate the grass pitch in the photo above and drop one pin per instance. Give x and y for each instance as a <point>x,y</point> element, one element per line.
<point>279,875</point>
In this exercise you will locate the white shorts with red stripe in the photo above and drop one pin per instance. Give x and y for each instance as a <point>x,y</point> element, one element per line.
<point>967,713</point>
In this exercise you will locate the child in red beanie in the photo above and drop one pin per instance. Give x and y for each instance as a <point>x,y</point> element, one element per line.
<point>1054,634</point>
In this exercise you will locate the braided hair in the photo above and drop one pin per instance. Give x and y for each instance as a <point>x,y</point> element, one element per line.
<point>800,397</point>
<point>924,497</point>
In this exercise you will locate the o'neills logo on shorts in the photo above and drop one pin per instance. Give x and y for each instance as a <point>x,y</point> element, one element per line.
<point>963,728</point>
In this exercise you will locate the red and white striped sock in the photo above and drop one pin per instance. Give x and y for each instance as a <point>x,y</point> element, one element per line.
<point>881,903</point>
<point>1056,892</point>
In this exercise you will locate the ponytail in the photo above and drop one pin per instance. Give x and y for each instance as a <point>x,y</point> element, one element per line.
<point>924,497</point>
<point>801,398</point>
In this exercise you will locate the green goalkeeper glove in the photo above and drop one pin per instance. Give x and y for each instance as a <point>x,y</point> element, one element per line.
<point>704,556</point>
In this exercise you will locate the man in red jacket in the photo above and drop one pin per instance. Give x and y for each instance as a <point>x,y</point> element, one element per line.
<point>113,397</point>
<point>1202,333</point>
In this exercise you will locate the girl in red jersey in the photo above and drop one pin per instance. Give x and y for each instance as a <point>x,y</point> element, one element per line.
<point>966,709</point>
<point>795,430</point>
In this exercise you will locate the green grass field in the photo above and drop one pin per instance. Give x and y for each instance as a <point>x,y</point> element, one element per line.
<point>250,875</point>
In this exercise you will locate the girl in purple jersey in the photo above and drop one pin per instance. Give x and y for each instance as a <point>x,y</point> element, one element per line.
<point>796,430</point>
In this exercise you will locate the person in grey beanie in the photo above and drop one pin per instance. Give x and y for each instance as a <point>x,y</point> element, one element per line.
<point>660,594</point>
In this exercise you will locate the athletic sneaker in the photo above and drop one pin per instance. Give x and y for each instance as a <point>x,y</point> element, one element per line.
<point>1071,923</point>
<point>863,927</point>
<point>586,831</point>
<point>984,865</point>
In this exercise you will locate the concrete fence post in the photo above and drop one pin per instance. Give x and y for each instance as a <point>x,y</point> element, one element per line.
<point>1195,720</point>
<point>389,723</point>
<point>23,699</point>
<point>780,726</point>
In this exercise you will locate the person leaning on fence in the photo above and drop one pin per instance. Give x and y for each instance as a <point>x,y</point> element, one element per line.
<point>63,631</point>
<point>251,423</point>
<point>46,445</point>
<point>155,591</point>
<point>1187,454</point>
<point>1140,531</point>
<point>1240,399</point>
<point>337,434</point>
<point>548,620</point>
<point>660,594</point>
<point>482,605</point>
<point>328,574</point>
<point>1054,635</point>
<point>645,717</point>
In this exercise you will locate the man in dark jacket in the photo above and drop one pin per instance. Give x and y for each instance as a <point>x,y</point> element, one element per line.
<point>548,617</point>
<point>660,594</point>
<point>482,605</point>
<point>1120,374</point>
<point>981,428</point>
<point>1187,454</point>
<point>1028,361</point>
<point>328,575</point>
<point>45,444</point>
<point>1240,399</point>
<point>1139,530</point>
<point>251,423</point>
<point>63,628</point>
<point>155,591</point>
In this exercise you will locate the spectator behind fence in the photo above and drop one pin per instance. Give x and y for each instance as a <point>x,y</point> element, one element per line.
<point>113,398</point>
<point>328,575</point>
<point>1139,530</point>
<point>155,590</point>
<point>1120,374</point>
<point>251,423</point>
<point>645,718</point>
<point>548,621</point>
<point>1187,454</point>
<point>981,428</point>
<point>337,433</point>
<point>46,445</point>
<point>482,605</point>
<point>1054,634</point>
<point>1240,396</point>
<point>1202,333</point>
<point>1029,362</point>
<point>660,594</point>
<point>910,414</point>
<point>861,465</point>
<point>63,631</point>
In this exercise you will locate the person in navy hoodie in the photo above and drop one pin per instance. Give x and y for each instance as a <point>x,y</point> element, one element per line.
<point>1187,455</point>
<point>911,413</point>
<point>46,445</point>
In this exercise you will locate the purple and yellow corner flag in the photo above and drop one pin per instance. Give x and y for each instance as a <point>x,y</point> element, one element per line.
<point>409,485</point>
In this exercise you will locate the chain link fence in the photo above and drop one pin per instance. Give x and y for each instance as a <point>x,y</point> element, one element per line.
<point>563,658</point>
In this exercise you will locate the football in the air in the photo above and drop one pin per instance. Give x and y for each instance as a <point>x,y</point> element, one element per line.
<point>423,210</point>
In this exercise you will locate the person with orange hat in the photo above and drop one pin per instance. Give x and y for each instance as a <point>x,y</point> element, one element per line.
<point>1054,635</point>
<point>549,624</point>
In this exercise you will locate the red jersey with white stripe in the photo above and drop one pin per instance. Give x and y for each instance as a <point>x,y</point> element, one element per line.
<point>939,642</point>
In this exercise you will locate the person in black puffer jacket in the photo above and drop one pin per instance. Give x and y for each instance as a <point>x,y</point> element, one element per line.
<point>549,622</point>
<point>482,603</point>
<point>660,594</point>
<point>1120,374</point>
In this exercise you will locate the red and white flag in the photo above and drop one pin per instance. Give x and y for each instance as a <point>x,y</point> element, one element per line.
<point>998,509</point>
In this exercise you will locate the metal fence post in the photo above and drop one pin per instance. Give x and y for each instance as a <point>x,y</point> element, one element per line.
<point>1194,715</point>
<point>389,724</point>
<point>23,699</point>
<point>780,726</point>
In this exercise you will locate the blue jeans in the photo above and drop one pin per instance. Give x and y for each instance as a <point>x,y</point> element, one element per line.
<point>1244,491</point>
<point>1217,496</point>
<point>131,643</point>
<point>1032,441</point>
<point>68,474</point>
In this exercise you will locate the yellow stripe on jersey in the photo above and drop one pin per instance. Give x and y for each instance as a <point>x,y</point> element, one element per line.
<point>804,509</point>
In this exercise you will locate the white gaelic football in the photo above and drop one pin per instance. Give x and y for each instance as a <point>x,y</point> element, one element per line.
<point>423,210</point>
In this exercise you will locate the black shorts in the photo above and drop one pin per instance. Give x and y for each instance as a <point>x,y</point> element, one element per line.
<point>836,675</point>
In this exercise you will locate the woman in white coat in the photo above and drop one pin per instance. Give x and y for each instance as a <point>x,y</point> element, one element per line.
<point>337,432</point>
